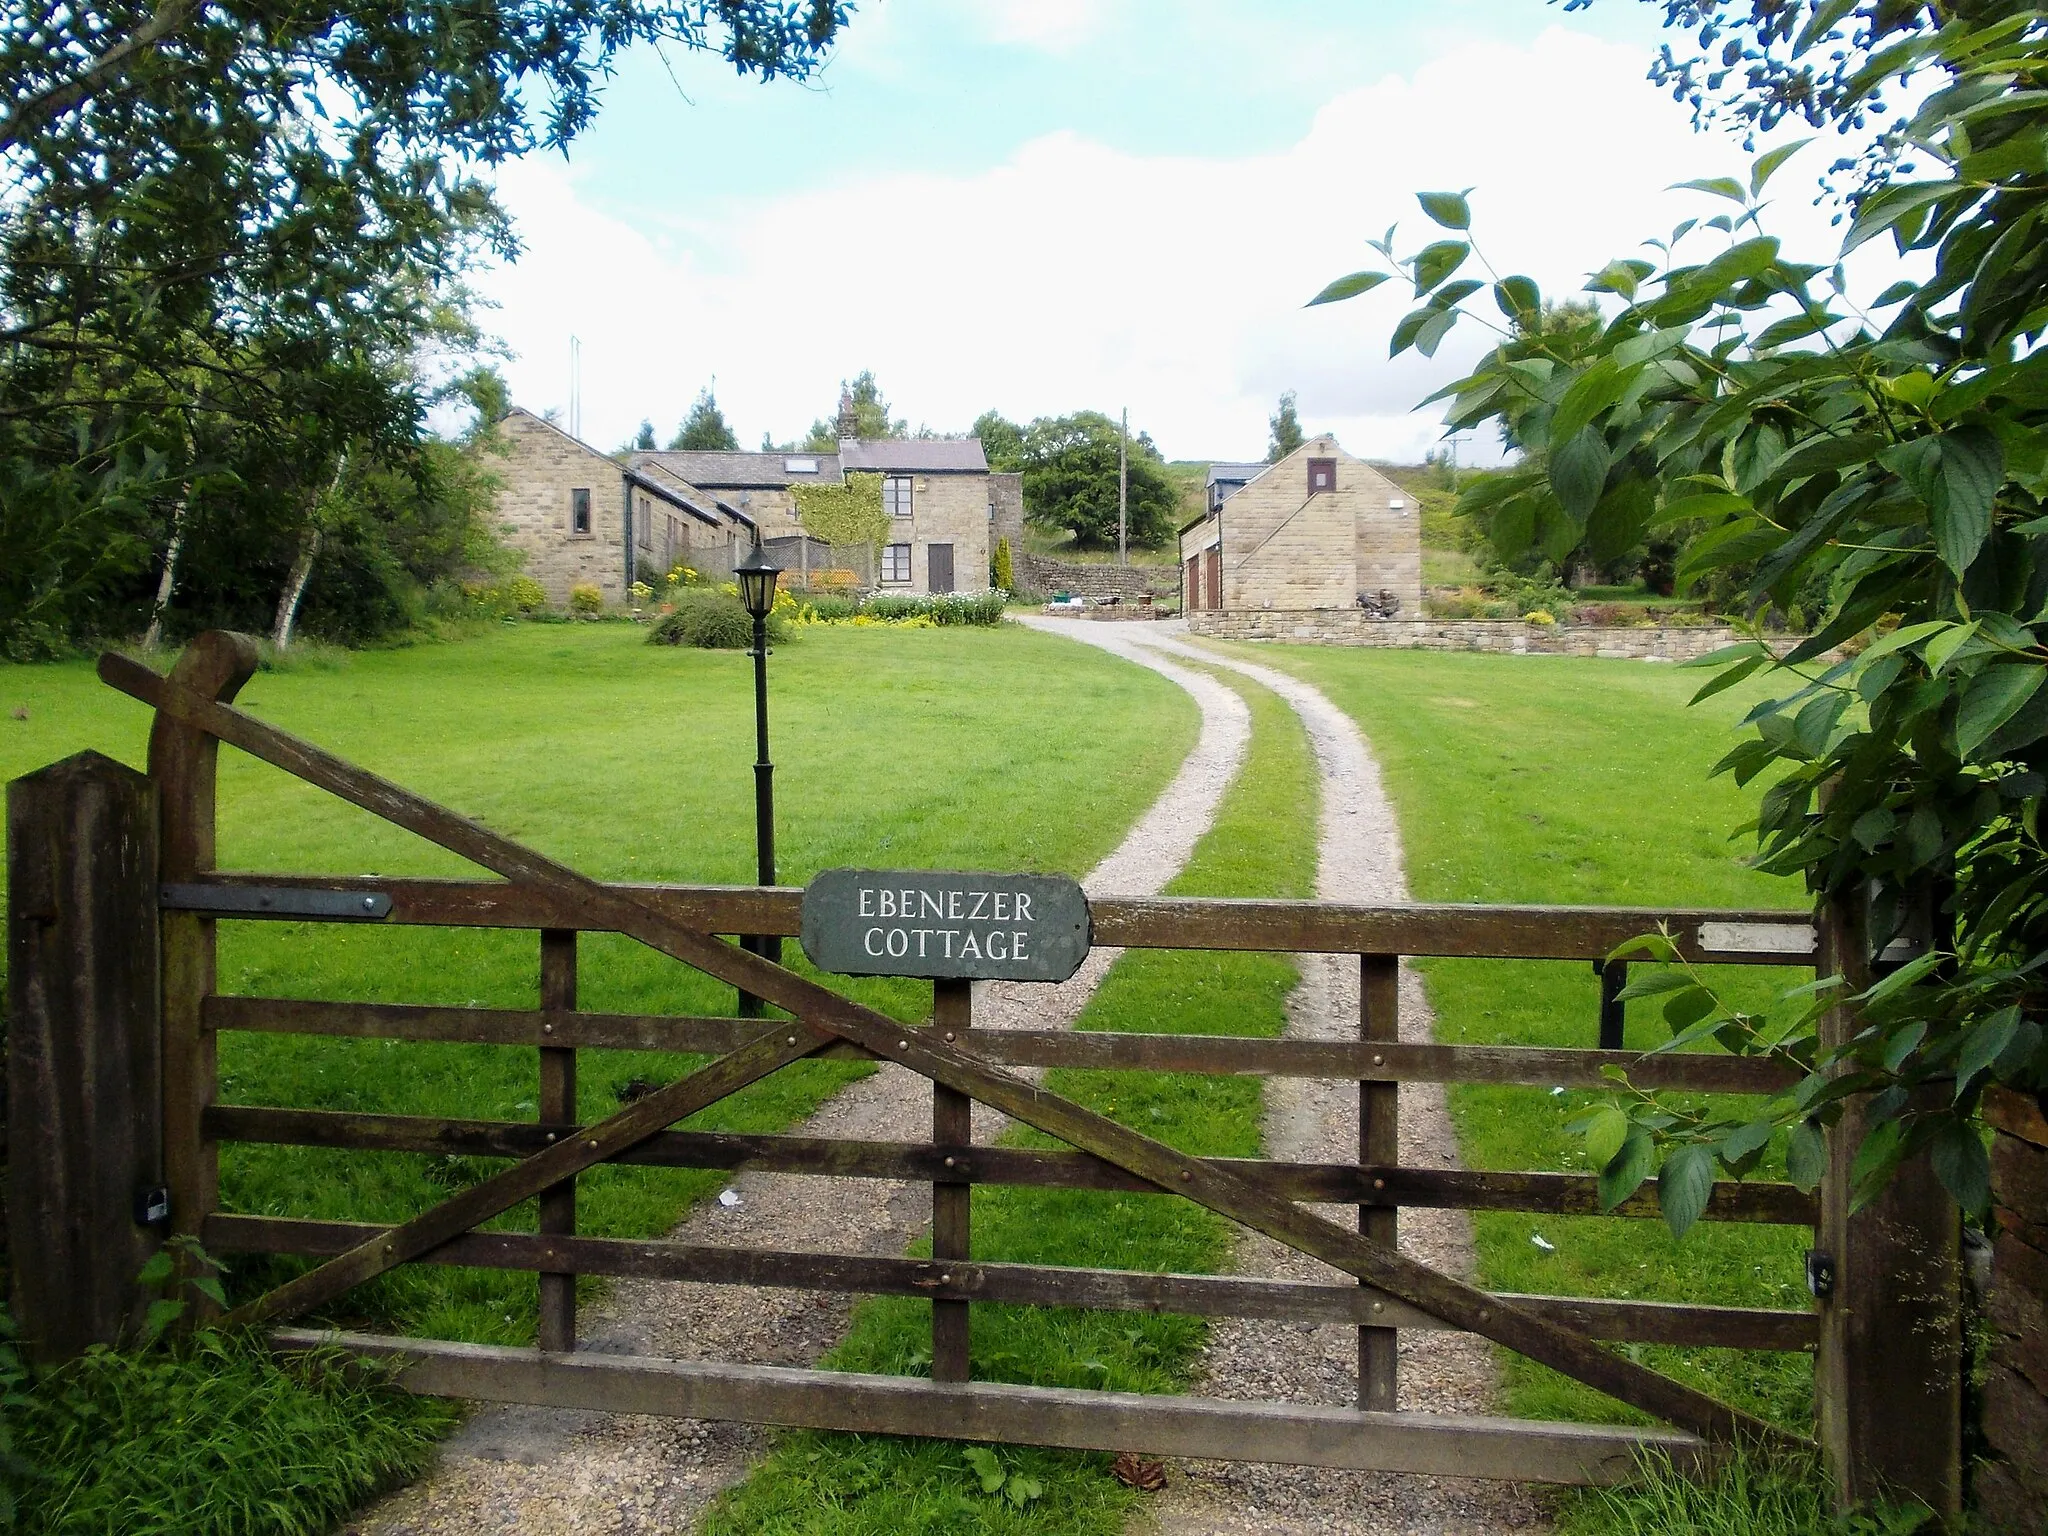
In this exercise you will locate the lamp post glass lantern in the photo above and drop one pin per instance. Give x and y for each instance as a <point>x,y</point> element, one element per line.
<point>756,576</point>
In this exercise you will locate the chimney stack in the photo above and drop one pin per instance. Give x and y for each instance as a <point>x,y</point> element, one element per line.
<point>849,419</point>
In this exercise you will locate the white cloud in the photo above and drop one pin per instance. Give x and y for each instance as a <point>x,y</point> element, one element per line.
<point>1074,275</point>
<point>1055,25</point>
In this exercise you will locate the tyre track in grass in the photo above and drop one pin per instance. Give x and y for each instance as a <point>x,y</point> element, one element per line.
<point>553,1472</point>
<point>1359,860</point>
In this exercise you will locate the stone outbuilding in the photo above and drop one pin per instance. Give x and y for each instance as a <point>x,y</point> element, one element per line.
<point>1319,529</point>
<point>580,517</point>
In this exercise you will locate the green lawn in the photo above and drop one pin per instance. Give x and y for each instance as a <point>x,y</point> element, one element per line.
<point>1263,843</point>
<point>997,749</point>
<point>1559,780</point>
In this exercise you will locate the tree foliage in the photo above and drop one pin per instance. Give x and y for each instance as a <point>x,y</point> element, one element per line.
<point>1890,455</point>
<point>1286,429</point>
<point>230,233</point>
<point>1002,441</point>
<point>1070,481</point>
<point>871,416</point>
<point>705,429</point>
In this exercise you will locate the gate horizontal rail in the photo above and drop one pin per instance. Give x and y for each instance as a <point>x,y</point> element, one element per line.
<point>1365,1184</point>
<point>1767,936</point>
<point>1443,1445</point>
<point>1043,1285</point>
<point>1386,1061</point>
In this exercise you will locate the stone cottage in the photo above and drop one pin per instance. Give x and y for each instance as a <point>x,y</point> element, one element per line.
<point>940,496</point>
<point>581,517</point>
<point>1319,529</point>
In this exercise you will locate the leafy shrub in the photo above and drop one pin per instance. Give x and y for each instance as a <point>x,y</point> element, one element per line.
<point>1005,567</point>
<point>713,620</point>
<point>585,601</point>
<point>216,1437</point>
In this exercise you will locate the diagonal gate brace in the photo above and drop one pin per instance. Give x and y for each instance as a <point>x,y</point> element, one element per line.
<point>824,1013</point>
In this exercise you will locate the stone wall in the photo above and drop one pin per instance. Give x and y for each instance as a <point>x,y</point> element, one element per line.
<point>537,478</point>
<point>945,509</point>
<point>1006,519</point>
<point>2010,1485</point>
<point>1349,626</point>
<point>1129,582</point>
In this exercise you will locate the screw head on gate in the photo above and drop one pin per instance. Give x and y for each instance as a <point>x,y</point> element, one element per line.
<point>949,1036</point>
<point>547,1029</point>
<point>369,903</point>
<point>592,1145</point>
<point>949,1162</point>
<point>945,1279</point>
<point>1379,1306</point>
<point>1379,1183</point>
<point>902,1045</point>
<point>1379,1061</point>
<point>790,1041</point>
<point>1485,1316</point>
<point>1186,1174</point>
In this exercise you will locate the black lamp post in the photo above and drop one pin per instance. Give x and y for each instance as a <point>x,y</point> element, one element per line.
<point>756,578</point>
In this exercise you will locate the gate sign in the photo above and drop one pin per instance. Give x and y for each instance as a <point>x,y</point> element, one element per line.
<point>905,922</point>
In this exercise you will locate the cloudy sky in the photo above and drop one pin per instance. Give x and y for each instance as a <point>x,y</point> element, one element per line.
<point>1046,205</point>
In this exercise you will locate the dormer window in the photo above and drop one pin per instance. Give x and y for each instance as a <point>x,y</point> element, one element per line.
<point>1322,475</point>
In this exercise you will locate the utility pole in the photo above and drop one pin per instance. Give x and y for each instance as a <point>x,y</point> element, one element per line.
<point>1123,489</point>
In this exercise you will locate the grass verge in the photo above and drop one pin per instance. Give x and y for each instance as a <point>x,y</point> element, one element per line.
<point>1561,780</point>
<point>1263,843</point>
<point>216,1438</point>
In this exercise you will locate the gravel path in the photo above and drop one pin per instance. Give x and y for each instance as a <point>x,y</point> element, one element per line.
<point>1359,859</point>
<point>550,1472</point>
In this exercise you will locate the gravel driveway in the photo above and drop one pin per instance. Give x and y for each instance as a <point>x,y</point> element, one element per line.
<point>551,1472</point>
<point>1359,860</point>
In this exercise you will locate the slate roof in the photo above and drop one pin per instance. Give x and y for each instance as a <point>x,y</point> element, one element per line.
<point>914,455</point>
<point>660,482</point>
<point>741,471</point>
<point>1235,474</point>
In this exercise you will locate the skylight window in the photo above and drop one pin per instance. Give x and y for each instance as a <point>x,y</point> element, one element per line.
<point>800,466</point>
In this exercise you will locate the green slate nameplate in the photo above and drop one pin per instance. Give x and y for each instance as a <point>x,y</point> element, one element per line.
<point>920,922</point>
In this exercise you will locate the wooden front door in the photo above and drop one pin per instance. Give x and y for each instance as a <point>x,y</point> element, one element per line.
<point>1212,572</point>
<point>939,567</point>
<point>1192,582</point>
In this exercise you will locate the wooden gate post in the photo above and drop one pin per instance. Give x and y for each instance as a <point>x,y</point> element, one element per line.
<point>1888,1373</point>
<point>84,1051</point>
<point>183,760</point>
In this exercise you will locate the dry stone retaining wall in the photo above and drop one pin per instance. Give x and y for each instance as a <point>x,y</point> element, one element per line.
<point>1350,626</point>
<point>1129,582</point>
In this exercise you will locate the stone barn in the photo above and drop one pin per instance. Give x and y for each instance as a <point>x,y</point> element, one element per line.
<point>580,517</point>
<point>1319,529</point>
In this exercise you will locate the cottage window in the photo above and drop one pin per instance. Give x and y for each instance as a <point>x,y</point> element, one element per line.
<point>646,524</point>
<point>1322,475</point>
<point>579,510</point>
<point>896,562</point>
<point>896,497</point>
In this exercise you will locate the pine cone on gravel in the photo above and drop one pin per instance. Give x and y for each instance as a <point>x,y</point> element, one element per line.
<point>1135,1472</point>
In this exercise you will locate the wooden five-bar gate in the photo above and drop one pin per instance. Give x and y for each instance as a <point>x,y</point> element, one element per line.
<point>114,886</point>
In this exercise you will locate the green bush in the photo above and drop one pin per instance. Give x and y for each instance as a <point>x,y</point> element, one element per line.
<point>983,608</point>
<point>527,595</point>
<point>1005,568</point>
<point>585,601</point>
<point>214,1438</point>
<point>711,619</point>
